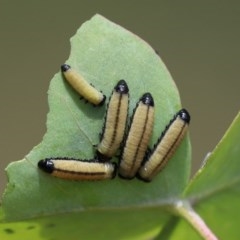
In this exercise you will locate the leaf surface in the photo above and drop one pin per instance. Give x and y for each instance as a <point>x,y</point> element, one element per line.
<point>103,53</point>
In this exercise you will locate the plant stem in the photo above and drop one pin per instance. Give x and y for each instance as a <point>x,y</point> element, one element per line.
<point>184,209</point>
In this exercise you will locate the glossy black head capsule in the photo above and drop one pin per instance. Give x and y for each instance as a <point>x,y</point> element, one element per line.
<point>121,87</point>
<point>184,115</point>
<point>147,99</point>
<point>65,67</point>
<point>46,165</point>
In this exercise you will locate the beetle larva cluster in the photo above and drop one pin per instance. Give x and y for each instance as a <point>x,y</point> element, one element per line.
<point>135,160</point>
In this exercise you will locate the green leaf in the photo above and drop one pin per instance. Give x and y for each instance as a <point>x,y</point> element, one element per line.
<point>134,224</point>
<point>104,53</point>
<point>215,190</point>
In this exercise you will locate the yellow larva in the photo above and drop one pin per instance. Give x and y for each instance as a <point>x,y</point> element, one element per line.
<point>86,90</point>
<point>115,122</point>
<point>76,169</point>
<point>138,136</point>
<point>165,146</point>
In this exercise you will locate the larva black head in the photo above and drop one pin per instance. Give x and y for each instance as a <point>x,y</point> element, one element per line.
<point>46,165</point>
<point>65,67</point>
<point>121,87</point>
<point>184,115</point>
<point>147,99</point>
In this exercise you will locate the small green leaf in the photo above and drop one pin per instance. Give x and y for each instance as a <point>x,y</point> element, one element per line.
<point>222,167</point>
<point>104,53</point>
<point>215,191</point>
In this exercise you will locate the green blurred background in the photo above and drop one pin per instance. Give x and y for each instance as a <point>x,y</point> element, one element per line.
<point>198,41</point>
